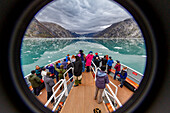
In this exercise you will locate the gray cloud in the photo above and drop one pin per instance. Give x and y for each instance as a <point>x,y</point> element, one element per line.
<point>83,16</point>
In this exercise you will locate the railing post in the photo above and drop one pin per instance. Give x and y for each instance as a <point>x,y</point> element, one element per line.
<point>103,94</point>
<point>65,87</point>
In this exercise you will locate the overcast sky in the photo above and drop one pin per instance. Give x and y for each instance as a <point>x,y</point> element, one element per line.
<point>83,16</point>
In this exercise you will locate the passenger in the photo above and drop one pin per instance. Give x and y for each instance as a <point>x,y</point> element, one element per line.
<point>49,83</point>
<point>101,81</point>
<point>107,57</point>
<point>67,58</point>
<point>59,62</point>
<point>96,55</point>
<point>123,76</point>
<point>83,57</point>
<point>97,61</point>
<point>104,61</point>
<point>77,71</point>
<point>117,67</point>
<point>64,63</point>
<point>35,82</point>
<point>70,72</point>
<point>61,72</point>
<point>38,71</point>
<point>73,59</point>
<point>43,73</point>
<point>56,73</point>
<point>89,58</point>
<point>109,63</point>
<point>51,69</point>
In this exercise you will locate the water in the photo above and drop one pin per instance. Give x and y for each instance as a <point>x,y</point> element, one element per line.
<point>42,51</point>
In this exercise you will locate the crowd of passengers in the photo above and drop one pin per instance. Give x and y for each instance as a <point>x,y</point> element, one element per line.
<point>40,76</point>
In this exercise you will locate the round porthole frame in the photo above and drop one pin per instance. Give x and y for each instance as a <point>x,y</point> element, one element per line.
<point>15,46</point>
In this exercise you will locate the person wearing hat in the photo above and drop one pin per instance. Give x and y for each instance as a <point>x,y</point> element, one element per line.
<point>123,76</point>
<point>109,63</point>
<point>117,67</point>
<point>67,58</point>
<point>96,55</point>
<point>77,71</point>
<point>89,58</point>
<point>49,83</point>
<point>82,56</point>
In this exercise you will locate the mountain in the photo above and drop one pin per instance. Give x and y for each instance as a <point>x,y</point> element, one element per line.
<point>46,30</point>
<point>124,29</point>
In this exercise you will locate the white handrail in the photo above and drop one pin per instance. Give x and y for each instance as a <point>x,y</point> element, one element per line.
<point>55,86</point>
<point>59,100</point>
<point>69,79</point>
<point>114,95</point>
<point>109,101</point>
<point>115,87</point>
<point>63,80</point>
<point>67,71</point>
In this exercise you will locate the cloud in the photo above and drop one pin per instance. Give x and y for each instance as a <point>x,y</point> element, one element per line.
<point>83,16</point>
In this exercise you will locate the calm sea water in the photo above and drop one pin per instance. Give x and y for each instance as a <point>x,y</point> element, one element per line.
<point>42,51</point>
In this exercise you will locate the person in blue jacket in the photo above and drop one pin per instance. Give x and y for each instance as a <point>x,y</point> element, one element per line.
<point>67,58</point>
<point>51,69</point>
<point>123,76</point>
<point>109,63</point>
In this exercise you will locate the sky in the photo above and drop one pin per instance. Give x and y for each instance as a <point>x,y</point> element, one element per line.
<point>83,16</point>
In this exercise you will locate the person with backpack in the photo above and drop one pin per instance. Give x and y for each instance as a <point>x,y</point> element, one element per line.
<point>123,76</point>
<point>49,83</point>
<point>82,56</point>
<point>77,71</point>
<point>61,72</point>
<point>101,81</point>
<point>117,67</point>
<point>109,63</point>
<point>35,82</point>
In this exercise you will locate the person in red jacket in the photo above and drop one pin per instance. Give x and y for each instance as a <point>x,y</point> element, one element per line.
<point>118,68</point>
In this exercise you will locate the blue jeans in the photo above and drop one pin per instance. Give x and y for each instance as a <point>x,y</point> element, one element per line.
<point>116,74</point>
<point>83,66</point>
<point>70,75</point>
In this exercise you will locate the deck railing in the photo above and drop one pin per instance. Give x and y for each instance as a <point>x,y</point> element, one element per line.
<point>106,93</point>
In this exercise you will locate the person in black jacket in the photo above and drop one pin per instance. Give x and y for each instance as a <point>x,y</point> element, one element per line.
<point>104,61</point>
<point>70,72</point>
<point>77,71</point>
<point>97,61</point>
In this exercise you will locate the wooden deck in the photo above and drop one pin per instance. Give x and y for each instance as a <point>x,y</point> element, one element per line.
<point>81,98</point>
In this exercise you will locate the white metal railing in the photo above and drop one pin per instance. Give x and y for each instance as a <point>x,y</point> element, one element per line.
<point>65,91</point>
<point>54,93</point>
<point>107,93</point>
